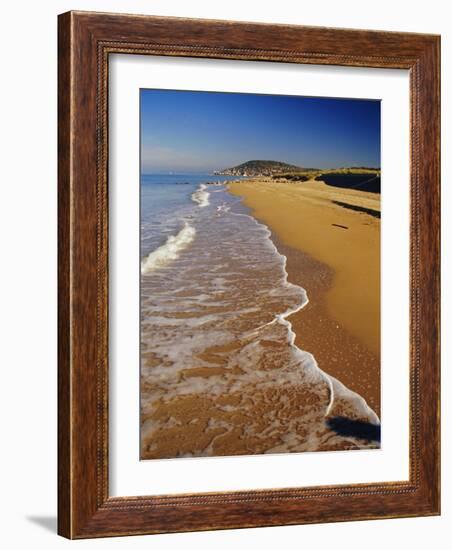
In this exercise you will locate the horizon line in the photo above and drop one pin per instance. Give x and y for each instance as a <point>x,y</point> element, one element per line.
<point>205,171</point>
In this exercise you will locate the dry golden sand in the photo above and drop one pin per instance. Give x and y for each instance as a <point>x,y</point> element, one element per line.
<point>338,265</point>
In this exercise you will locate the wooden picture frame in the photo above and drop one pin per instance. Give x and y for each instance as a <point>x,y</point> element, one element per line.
<point>85,42</point>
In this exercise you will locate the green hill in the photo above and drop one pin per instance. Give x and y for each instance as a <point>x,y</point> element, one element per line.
<point>261,168</point>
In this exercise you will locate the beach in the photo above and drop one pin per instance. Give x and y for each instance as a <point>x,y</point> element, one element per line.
<point>331,238</point>
<point>259,274</point>
<point>241,350</point>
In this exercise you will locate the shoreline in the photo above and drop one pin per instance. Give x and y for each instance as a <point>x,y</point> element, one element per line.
<point>352,351</point>
<point>250,393</point>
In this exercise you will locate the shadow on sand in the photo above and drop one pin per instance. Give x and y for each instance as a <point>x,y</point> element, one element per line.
<point>355,428</point>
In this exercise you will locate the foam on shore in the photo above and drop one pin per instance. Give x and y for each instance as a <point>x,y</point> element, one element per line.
<point>221,373</point>
<point>201,196</point>
<point>169,251</point>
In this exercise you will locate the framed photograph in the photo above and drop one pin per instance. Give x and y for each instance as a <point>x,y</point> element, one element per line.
<point>248,275</point>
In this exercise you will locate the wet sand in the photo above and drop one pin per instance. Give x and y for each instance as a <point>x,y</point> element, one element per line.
<point>334,253</point>
<point>218,374</point>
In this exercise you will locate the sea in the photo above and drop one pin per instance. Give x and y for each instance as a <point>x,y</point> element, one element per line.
<point>220,371</point>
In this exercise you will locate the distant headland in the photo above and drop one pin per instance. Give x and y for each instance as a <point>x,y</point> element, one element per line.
<point>362,178</point>
<point>262,168</point>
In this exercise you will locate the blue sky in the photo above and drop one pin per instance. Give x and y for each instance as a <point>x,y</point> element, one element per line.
<point>205,131</point>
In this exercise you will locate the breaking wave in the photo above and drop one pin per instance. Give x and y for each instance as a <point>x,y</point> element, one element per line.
<point>169,251</point>
<point>201,196</point>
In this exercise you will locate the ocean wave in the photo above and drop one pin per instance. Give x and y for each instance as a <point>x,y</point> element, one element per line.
<point>216,334</point>
<point>169,251</point>
<point>201,196</point>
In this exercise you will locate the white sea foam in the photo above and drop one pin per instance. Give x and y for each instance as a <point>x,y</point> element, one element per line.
<point>201,196</point>
<point>307,359</point>
<point>226,304</point>
<point>169,251</point>
<point>223,208</point>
